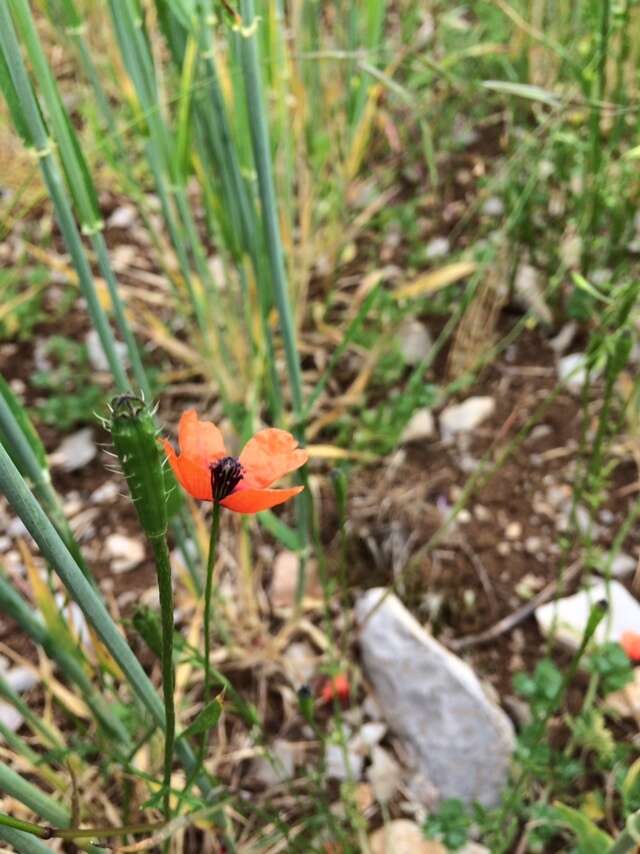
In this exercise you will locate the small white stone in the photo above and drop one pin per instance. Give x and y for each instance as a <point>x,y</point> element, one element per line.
<point>567,618</point>
<point>368,735</point>
<point>494,206</point>
<point>533,545</point>
<point>466,416</point>
<point>339,767</point>
<point>623,564</point>
<point>106,493</point>
<point>74,452</point>
<point>414,341</point>
<point>122,217</point>
<point>125,552</point>
<point>437,248</point>
<point>284,582</point>
<point>96,354</point>
<point>513,531</point>
<point>421,426</point>
<point>572,371</point>
<point>21,679</point>
<point>564,338</point>
<point>299,661</point>
<point>384,774</point>
<point>10,717</point>
<point>482,513</point>
<point>529,289</point>
<point>16,528</point>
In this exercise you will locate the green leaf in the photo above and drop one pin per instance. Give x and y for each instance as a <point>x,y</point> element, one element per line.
<point>590,839</point>
<point>523,90</point>
<point>205,720</point>
<point>27,428</point>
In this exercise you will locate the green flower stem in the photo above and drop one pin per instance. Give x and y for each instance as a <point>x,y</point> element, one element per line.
<point>213,545</point>
<point>163,570</point>
<point>54,550</point>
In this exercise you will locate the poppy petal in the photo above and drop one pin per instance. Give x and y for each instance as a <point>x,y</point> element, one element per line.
<point>201,441</point>
<point>269,455</point>
<point>255,500</point>
<point>193,477</point>
<point>630,643</point>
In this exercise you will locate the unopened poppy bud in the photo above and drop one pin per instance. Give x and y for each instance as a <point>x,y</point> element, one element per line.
<point>306,703</point>
<point>135,442</point>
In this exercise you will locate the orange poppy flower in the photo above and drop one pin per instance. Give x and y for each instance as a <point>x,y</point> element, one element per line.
<point>630,643</point>
<point>207,472</point>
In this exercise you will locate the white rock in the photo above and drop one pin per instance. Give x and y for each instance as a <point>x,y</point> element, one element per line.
<point>414,341</point>
<point>437,248</point>
<point>465,416</point>
<point>341,767</point>
<point>299,662</point>
<point>125,552</point>
<point>10,717</point>
<point>372,733</point>
<point>384,774</point>
<point>566,619</point>
<point>96,354</point>
<point>279,765</point>
<point>75,451</point>
<point>513,531</point>
<point>432,700</point>
<point>122,217</point>
<point>623,564</point>
<point>21,679</point>
<point>564,338</point>
<point>367,737</point>
<point>106,493</point>
<point>572,371</point>
<point>75,618</point>
<point>529,289</point>
<point>626,701</point>
<point>494,206</point>
<point>403,836</point>
<point>284,581</point>
<point>421,426</point>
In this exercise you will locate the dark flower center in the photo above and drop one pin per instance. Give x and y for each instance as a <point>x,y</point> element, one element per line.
<point>226,474</point>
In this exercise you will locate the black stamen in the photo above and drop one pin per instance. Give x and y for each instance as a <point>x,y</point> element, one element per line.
<point>226,474</point>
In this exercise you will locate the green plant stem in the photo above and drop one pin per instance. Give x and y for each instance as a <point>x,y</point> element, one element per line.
<point>262,157</point>
<point>163,571</point>
<point>629,839</point>
<point>46,832</point>
<point>208,590</point>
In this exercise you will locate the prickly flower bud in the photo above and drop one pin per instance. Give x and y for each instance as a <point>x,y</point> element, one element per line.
<point>135,442</point>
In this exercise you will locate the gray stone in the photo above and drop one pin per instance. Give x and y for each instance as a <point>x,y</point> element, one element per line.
<point>530,292</point>
<point>414,341</point>
<point>96,354</point>
<point>466,416</point>
<point>125,553</point>
<point>623,564</point>
<point>438,247</point>
<point>420,426</point>
<point>572,371</point>
<point>458,738</point>
<point>75,451</point>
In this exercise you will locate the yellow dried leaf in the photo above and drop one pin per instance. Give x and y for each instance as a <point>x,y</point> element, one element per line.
<point>435,280</point>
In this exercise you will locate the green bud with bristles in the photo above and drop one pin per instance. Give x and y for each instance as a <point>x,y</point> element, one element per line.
<point>136,443</point>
